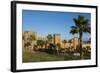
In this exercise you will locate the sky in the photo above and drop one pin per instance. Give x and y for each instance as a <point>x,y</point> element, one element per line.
<point>51,22</point>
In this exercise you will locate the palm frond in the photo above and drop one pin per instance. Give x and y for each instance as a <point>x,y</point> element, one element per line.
<point>74,30</point>
<point>76,22</point>
<point>87,29</point>
<point>85,22</point>
<point>74,27</point>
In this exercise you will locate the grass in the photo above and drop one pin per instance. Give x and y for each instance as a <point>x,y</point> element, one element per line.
<point>42,56</point>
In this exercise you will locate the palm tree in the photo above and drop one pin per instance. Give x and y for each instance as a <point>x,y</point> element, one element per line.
<point>64,41</point>
<point>70,46</point>
<point>81,25</point>
<point>32,37</point>
<point>40,43</point>
<point>49,37</point>
<point>45,43</point>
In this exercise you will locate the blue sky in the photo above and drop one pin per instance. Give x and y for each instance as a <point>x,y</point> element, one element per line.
<point>50,22</point>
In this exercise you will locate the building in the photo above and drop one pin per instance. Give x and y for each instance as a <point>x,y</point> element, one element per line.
<point>29,40</point>
<point>75,42</point>
<point>42,38</point>
<point>27,35</point>
<point>57,38</point>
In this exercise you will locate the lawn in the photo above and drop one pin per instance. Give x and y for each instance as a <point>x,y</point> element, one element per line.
<point>42,56</point>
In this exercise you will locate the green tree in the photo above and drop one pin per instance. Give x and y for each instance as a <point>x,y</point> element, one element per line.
<point>64,41</point>
<point>81,25</point>
<point>70,41</point>
<point>32,37</point>
<point>49,37</point>
<point>46,42</point>
<point>40,43</point>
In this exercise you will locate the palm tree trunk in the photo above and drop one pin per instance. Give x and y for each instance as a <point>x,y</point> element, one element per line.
<point>81,53</point>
